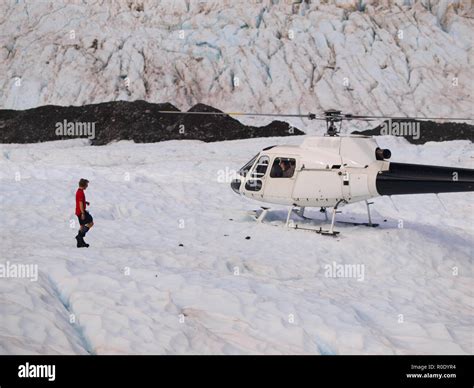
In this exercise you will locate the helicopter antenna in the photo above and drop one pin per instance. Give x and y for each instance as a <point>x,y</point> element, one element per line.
<point>393,203</point>
<point>441,202</point>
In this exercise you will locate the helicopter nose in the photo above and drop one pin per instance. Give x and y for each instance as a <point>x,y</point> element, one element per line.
<point>235,185</point>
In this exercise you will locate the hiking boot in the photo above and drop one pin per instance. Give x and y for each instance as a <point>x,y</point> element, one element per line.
<point>80,242</point>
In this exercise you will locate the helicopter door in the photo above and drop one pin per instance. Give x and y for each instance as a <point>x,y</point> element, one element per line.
<point>279,185</point>
<point>254,183</point>
<point>318,187</point>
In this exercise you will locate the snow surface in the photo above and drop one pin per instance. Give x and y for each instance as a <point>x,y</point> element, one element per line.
<point>135,290</point>
<point>399,57</point>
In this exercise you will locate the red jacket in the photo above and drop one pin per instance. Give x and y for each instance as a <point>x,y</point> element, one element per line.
<point>80,197</point>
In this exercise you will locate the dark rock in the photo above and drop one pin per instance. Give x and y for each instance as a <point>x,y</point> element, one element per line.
<point>139,121</point>
<point>428,131</point>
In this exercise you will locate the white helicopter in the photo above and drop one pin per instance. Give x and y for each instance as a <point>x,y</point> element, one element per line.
<point>331,171</point>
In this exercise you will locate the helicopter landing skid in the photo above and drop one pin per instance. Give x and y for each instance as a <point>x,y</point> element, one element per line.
<point>299,211</point>
<point>320,231</point>
<point>262,215</point>
<point>355,223</point>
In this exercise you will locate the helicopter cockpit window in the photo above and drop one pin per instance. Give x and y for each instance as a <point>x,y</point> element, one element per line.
<point>283,168</point>
<point>245,169</point>
<point>254,183</point>
<point>261,167</point>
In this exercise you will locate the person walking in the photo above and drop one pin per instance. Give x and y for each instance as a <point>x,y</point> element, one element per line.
<point>85,219</point>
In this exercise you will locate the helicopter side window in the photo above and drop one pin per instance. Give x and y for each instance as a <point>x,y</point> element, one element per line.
<point>283,168</point>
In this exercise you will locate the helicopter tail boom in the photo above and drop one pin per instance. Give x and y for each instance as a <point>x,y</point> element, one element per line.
<point>402,178</point>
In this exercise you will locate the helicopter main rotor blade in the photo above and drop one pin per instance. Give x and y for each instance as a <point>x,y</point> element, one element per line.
<point>310,116</point>
<point>336,116</point>
<point>360,117</point>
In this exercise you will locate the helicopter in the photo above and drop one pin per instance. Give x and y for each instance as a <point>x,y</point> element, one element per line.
<point>334,170</point>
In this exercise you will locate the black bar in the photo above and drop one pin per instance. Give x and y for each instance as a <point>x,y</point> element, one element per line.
<point>245,371</point>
